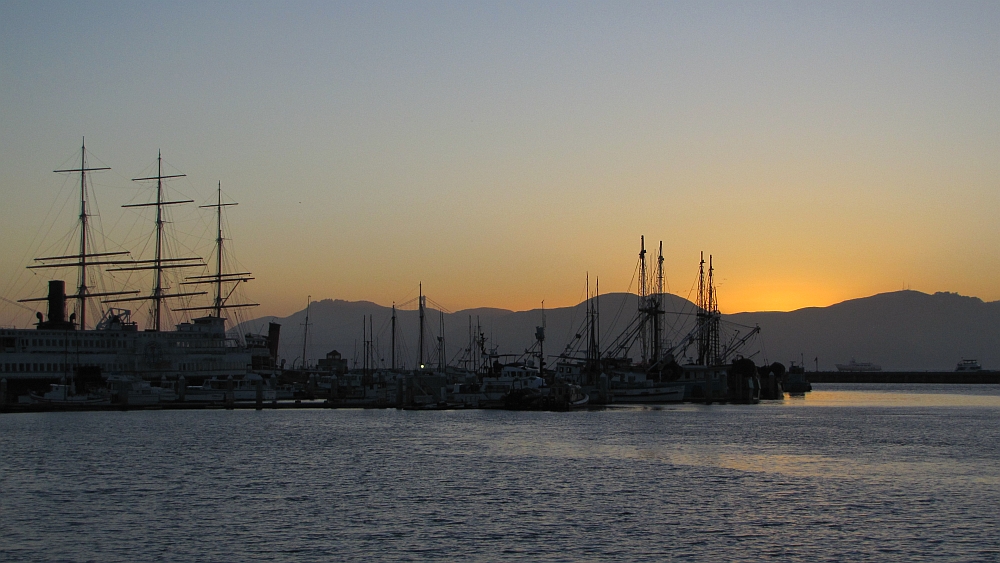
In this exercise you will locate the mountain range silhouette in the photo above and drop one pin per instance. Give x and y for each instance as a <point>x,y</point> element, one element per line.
<point>901,330</point>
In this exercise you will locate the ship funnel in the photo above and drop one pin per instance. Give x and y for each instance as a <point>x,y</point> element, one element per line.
<point>57,302</point>
<point>273,333</point>
<point>57,308</point>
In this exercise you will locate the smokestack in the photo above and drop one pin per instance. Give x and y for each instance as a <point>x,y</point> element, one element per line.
<point>57,302</point>
<point>273,333</point>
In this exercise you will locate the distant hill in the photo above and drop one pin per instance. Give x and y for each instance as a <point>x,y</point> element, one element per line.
<point>903,330</point>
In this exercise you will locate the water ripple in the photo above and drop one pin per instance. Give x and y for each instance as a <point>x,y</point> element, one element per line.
<point>889,481</point>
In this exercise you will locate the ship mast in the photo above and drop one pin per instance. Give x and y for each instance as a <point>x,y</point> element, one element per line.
<point>82,276</point>
<point>441,354</point>
<point>218,246</point>
<point>159,262</point>
<point>713,310</point>
<point>82,263</point>
<point>657,311</point>
<point>158,258</point>
<point>540,338</point>
<point>219,277</point>
<point>643,300</point>
<point>420,347</point>
<point>305,334</point>
<point>702,315</point>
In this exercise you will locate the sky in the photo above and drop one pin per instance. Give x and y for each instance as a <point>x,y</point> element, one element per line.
<point>501,152</point>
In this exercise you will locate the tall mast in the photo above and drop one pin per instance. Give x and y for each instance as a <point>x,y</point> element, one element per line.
<point>305,333</point>
<point>218,302</point>
<point>644,308</point>
<point>468,358</point>
<point>392,353</point>
<point>657,307</point>
<point>713,311</point>
<point>420,305</point>
<point>441,354</point>
<point>158,260</point>
<point>364,345</point>
<point>219,277</point>
<point>540,337</point>
<point>590,323</point>
<point>82,289</point>
<point>82,263</point>
<point>158,265</point>
<point>702,314</point>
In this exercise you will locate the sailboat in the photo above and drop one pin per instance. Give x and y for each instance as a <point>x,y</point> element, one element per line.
<point>62,347</point>
<point>648,381</point>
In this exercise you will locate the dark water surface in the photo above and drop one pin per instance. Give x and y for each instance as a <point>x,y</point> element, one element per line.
<point>849,472</point>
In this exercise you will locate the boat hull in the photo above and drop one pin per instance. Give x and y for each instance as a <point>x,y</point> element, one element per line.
<point>649,395</point>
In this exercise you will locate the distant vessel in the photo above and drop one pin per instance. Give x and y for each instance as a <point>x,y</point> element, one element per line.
<point>858,366</point>
<point>968,365</point>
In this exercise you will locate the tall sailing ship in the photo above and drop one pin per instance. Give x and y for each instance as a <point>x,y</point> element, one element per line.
<point>64,347</point>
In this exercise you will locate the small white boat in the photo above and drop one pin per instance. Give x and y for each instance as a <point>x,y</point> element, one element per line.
<point>968,365</point>
<point>65,395</point>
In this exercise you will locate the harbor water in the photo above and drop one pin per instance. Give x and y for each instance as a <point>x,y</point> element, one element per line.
<point>847,472</point>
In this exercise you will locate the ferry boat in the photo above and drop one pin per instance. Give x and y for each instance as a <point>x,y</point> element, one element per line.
<point>968,365</point>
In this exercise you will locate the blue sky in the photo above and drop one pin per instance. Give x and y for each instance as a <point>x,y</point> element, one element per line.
<point>500,151</point>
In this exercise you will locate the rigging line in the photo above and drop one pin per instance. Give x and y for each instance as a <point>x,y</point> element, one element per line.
<point>621,309</point>
<point>572,320</point>
<point>47,224</point>
<point>438,305</point>
<point>405,303</point>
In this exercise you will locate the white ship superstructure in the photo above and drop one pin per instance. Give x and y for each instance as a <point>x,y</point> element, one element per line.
<point>196,350</point>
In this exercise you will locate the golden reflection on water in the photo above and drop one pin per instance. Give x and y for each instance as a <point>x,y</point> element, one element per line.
<point>806,462</point>
<point>880,397</point>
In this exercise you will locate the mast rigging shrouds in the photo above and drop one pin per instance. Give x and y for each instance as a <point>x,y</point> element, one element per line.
<point>220,301</point>
<point>157,264</point>
<point>83,289</point>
